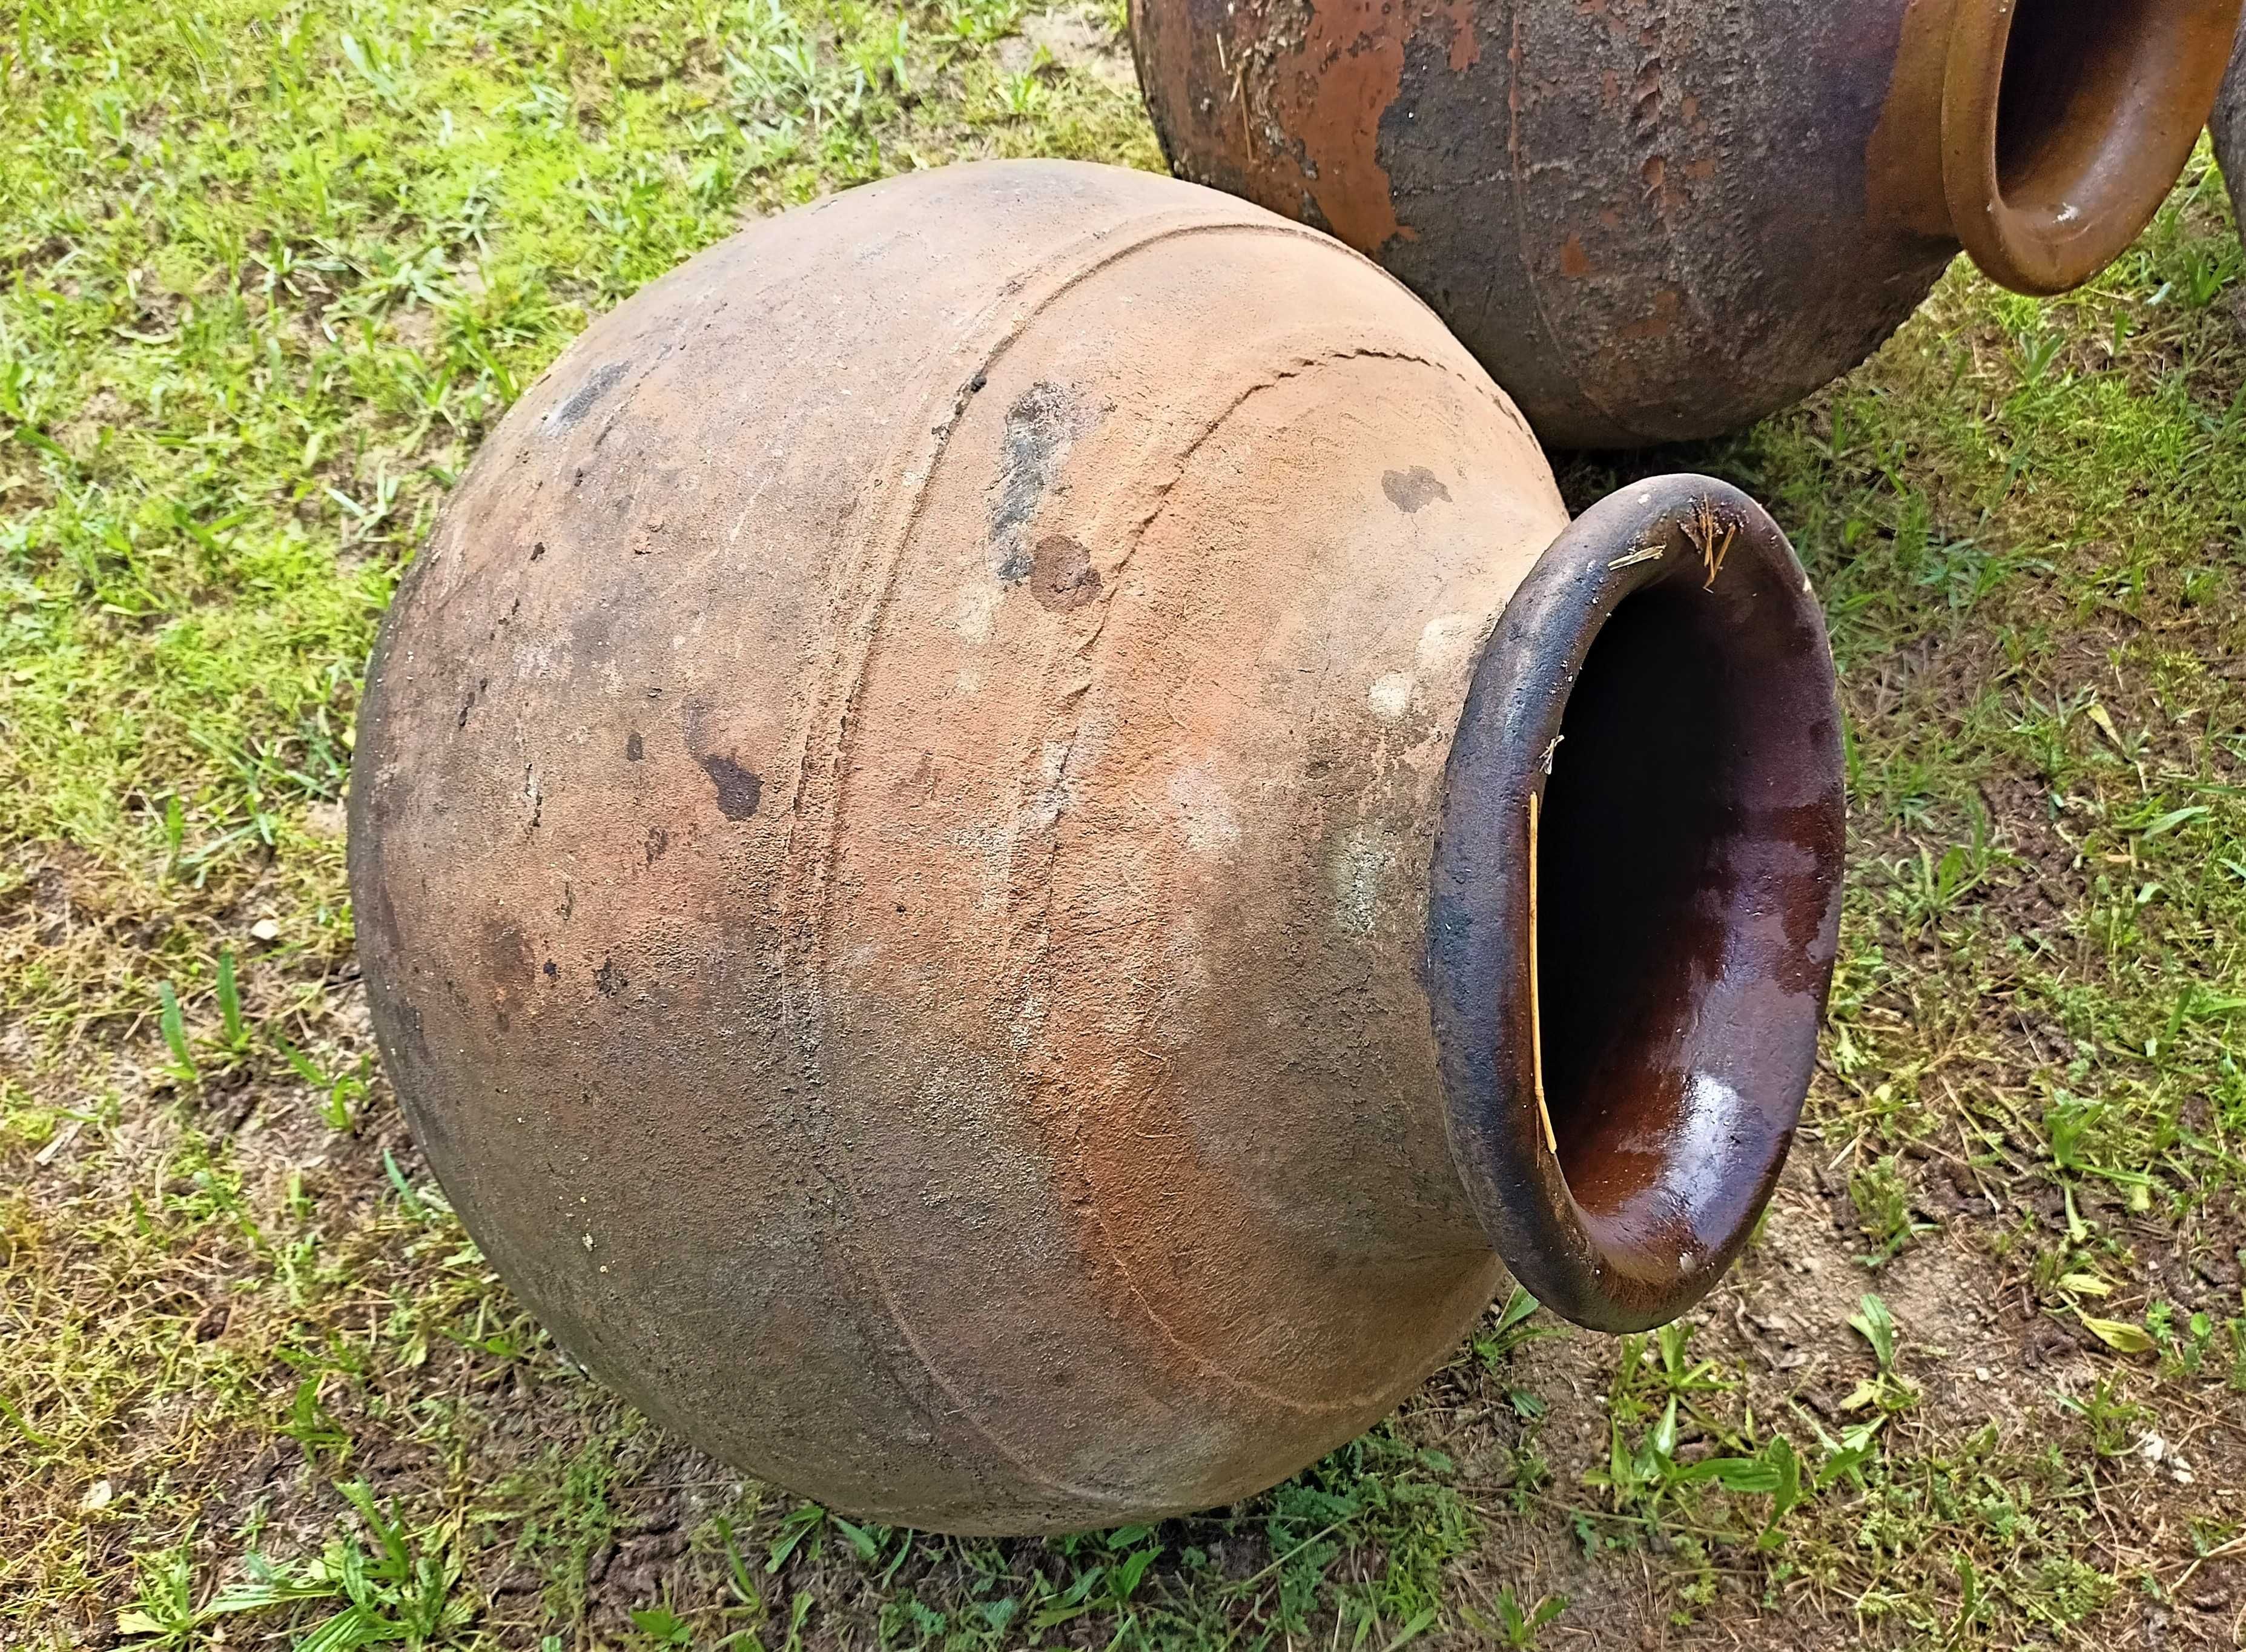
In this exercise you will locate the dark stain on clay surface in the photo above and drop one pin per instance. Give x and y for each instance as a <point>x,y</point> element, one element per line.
<point>1409,491</point>
<point>609,979</point>
<point>635,748</point>
<point>1061,575</point>
<point>740,791</point>
<point>1041,426</point>
<point>580,400</point>
<point>507,951</point>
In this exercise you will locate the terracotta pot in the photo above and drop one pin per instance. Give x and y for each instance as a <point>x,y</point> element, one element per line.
<point>1654,222</point>
<point>942,839</point>
<point>2229,124</point>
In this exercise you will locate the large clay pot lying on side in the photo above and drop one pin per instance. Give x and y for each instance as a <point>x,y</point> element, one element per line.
<point>946,847</point>
<point>1655,221</point>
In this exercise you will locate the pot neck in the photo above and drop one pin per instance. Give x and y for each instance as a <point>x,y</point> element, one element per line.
<point>2042,135</point>
<point>1634,899</point>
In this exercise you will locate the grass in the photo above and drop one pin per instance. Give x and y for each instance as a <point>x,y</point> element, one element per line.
<point>267,272</point>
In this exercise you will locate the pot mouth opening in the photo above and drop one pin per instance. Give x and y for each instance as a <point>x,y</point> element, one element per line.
<point>1634,902</point>
<point>2065,124</point>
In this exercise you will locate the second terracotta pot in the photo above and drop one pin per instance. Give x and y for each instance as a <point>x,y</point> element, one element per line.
<point>1654,222</point>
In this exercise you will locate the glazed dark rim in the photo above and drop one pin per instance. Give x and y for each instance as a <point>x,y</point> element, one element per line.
<point>2050,223</point>
<point>1703,541</point>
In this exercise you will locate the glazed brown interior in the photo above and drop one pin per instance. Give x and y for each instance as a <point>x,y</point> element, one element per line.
<point>2065,122</point>
<point>1634,899</point>
<point>1658,873</point>
<point>2062,102</point>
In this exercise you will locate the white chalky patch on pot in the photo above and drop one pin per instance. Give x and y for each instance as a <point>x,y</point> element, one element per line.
<point>1052,798</point>
<point>970,615</point>
<point>1181,985</point>
<point>1449,642</point>
<point>1360,862</point>
<point>991,849</point>
<point>1390,696</point>
<point>542,662</point>
<point>1029,1021</point>
<point>1205,812</point>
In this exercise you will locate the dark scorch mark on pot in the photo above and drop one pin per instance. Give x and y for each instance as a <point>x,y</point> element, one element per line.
<point>1041,426</point>
<point>635,748</point>
<point>506,955</point>
<point>1062,576</point>
<point>581,401</point>
<point>738,791</point>
<point>1410,490</point>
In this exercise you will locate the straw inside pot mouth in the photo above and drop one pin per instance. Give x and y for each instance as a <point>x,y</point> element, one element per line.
<point>1635,908</point>
<point>2066,122</point>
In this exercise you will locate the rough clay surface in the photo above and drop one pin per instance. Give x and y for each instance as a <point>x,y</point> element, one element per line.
<point>889,835</point>
<point>2229,126</point>
<point>1651,221</point>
